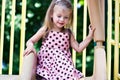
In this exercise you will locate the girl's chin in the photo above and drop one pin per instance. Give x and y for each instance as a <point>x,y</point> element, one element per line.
<point>60,26</point>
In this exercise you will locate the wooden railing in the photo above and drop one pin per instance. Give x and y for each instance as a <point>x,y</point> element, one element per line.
<point>22,33</point>
<point>113,42</point>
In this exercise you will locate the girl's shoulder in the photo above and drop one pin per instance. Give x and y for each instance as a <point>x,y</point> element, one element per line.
<point>43,28</point>
<point>42,31</point>
<point>68,30</point>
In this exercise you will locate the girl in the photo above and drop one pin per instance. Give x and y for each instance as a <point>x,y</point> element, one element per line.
<point>54,57</point>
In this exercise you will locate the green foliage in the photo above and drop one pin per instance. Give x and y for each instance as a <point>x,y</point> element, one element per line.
<point>34,19</point>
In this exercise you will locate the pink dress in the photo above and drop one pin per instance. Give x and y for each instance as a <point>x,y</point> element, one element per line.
<point>54,58</point>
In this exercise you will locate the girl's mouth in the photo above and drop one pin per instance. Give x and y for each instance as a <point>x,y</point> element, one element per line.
<point>61,23</point>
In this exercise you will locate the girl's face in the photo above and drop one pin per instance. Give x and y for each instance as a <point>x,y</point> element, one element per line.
<point>60,16</point>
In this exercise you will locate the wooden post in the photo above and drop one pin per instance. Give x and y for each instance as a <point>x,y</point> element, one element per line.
<point>96,13</point>
<point>29,67</point>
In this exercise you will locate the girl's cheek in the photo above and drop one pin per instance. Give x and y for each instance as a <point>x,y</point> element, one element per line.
<point>67,21</point>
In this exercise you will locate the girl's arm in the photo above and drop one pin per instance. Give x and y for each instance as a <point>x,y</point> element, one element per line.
<point>81,46</point>
<point>37,35</point>
<point>32,40</point>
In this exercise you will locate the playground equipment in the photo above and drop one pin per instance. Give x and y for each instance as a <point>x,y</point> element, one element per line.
<point>97,20</point>
<point>113,42</point>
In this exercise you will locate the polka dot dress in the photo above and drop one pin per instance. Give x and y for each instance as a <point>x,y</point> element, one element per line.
<point>54,58</point>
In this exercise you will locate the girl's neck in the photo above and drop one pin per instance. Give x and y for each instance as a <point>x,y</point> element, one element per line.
<point>58,29</point>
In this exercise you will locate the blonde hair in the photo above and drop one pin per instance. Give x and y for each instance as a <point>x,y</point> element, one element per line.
<point>48,21</point>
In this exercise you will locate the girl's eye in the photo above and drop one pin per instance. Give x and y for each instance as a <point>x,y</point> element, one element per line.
<point>59,16</point>
<point>66,17</point>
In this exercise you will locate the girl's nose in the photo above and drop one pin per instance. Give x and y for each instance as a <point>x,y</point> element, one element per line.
<point>61,19</point>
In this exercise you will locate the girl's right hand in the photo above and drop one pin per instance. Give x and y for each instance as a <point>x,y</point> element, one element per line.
<point>28,50</point>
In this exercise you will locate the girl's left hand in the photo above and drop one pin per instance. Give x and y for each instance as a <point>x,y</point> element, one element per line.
<point>91,31</point>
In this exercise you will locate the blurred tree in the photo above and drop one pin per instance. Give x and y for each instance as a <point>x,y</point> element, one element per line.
<point>34,19</point>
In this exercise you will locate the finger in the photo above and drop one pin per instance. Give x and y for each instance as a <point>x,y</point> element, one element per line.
<point>27,53</point>
<point>89,24</point>
<point>94,29</point>
<point>90,27</point>
<point>34,51</point>
<point>35,54</point>
<point>24,53</point>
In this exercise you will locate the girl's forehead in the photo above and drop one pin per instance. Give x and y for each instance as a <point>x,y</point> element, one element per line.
<point>60,8</point>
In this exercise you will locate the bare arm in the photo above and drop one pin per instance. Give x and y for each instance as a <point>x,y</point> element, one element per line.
<point>81,46</point>
<point>32,40</point>
<point>36,36</point>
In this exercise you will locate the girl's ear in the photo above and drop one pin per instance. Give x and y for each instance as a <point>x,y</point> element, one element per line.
<point>51,15</point>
